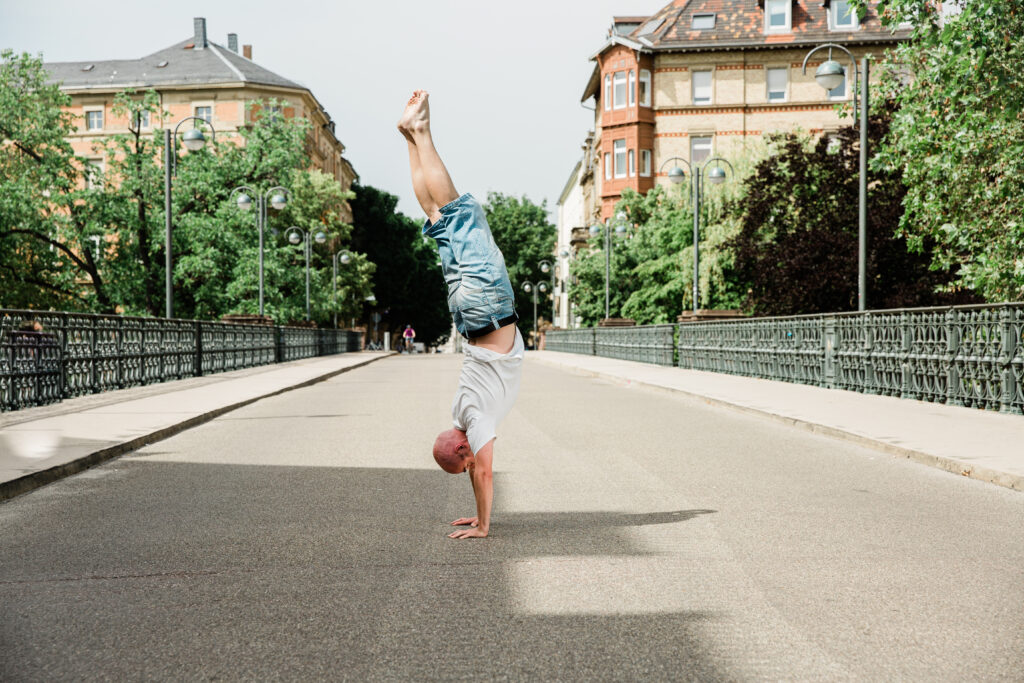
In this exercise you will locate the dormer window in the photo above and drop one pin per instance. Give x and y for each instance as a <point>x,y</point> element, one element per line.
<point>702,22</point>
<point>842,17</point>
<point>778,16</point>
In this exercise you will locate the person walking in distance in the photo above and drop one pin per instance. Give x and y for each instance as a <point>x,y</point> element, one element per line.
<point>482,304</point>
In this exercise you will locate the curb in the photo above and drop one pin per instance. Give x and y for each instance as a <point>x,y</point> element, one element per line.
<point>951,465</point>
<point>30,482</point>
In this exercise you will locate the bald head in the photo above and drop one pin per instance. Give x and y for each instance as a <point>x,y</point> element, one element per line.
<point>451,449</point>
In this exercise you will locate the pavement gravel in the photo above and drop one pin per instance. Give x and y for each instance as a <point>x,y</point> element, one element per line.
<point>636,535</point>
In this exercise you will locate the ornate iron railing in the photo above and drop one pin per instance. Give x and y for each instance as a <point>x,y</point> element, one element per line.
<point>965,355</point>
<point>646,344</point>
<point>73,354</point>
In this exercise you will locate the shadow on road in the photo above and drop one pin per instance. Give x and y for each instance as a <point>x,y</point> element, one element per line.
<point>189,570</point>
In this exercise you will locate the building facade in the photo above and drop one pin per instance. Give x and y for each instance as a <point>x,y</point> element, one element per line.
<point>195,77</point>
<point>701,78</point>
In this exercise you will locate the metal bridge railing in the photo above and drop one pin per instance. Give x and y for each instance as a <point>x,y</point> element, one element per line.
<point>964,355</point>
<point>76,353</point>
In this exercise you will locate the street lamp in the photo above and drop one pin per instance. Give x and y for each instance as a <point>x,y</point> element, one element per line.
<point>344,258</point>
<point>546,267</point>
<point>297,235</point>
<point>277,197</point>
<point>194,140</point>
<point>595,229</point>
<point>830,76</point>
<point>565,255</point>
<point>716,175</point>
<point>531,288</point>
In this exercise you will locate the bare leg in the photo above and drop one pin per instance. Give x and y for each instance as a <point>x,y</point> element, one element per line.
<point>430,207</point>
<point>415,125</point>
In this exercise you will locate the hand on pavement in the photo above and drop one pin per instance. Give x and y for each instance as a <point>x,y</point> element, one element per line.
<point>472,532</point>
<point>462,521</point>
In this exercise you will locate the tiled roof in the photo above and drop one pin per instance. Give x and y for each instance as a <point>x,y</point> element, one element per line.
<point>740,23</point>
<point>183,65</point>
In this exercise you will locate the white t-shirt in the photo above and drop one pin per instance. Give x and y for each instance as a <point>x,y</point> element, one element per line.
<point>488,386</point>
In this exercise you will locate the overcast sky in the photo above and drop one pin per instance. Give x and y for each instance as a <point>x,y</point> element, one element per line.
<point>505,77</point>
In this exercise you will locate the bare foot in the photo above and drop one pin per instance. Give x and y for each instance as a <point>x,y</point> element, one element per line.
<point>416,117</point>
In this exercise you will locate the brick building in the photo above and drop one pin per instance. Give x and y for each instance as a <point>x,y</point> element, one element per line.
<point>700,77</point>
<point>195,77</point>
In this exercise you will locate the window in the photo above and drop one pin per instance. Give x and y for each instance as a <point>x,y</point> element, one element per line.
<point>94,174</point>
<point>620,158</point>
<point>842,17</point>
<point>776,79</point>
<point>205,113</point>
<point>94,119</point>
<point>619,101</point>
<point>632,88</point>
<point>645,88</point>
<point>608,91</point>
<point>839,92</point>
<point>632,163</point>
<point>142,120</point>
<point>777,16</point>
<point>607,166</point>
<point>645,162</point>
<point>702,87</point>
<point>700,148</point>
<point>702,22</point>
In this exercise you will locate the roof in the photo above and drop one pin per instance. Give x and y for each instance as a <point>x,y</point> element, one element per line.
<point>740,23</point>
<point>183,65</point>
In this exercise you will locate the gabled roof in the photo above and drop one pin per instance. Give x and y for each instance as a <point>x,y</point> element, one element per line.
<point>183,65</point>
<point>740,23</point>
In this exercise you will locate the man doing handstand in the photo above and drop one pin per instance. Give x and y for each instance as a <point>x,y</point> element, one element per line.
<point>482,304</point>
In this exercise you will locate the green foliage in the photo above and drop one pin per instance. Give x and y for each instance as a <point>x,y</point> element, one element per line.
<point>45,225</point>
<point>958,136</point>
<point>64,245</point>
<point>652,260</point>
<point>410,287</point>
<point>797,247</point>
<point>526,237</point>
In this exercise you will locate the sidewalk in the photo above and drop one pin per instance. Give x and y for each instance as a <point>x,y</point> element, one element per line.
<point>40,445</point>
<point>973,443</point>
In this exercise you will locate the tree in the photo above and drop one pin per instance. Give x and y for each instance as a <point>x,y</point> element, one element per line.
<point>797,247</point>
<point>48,254</point>
<point>526,237</point>
<point>958,136</point>
<point>409,285</point>
<point>652,261</point>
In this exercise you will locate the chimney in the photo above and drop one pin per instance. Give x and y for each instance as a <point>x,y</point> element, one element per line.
<point>200,27</point>
<point>233,42</point>
<point>247,51</point>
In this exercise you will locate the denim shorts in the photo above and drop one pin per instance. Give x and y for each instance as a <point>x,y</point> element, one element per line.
<point>480,296</point>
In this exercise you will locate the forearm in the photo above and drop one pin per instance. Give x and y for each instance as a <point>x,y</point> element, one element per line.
<point>483,490</point>
<point>482,477</point>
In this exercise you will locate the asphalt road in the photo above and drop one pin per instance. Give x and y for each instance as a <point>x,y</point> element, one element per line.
<point>636,536</point>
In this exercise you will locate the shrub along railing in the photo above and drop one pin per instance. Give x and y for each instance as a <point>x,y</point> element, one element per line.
<point>965,355</point>
<point>77,353</point>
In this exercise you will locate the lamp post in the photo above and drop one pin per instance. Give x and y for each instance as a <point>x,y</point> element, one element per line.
<point>564,256</point>
<point>194,140</point>
<point>716,175</point>
<point>297,235</point>
<point>344,258</point>
<point>546,267</point>
<point>531,288</point>
<point>595,229</point>
<point>830,76</point>
<point>277,197</point>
